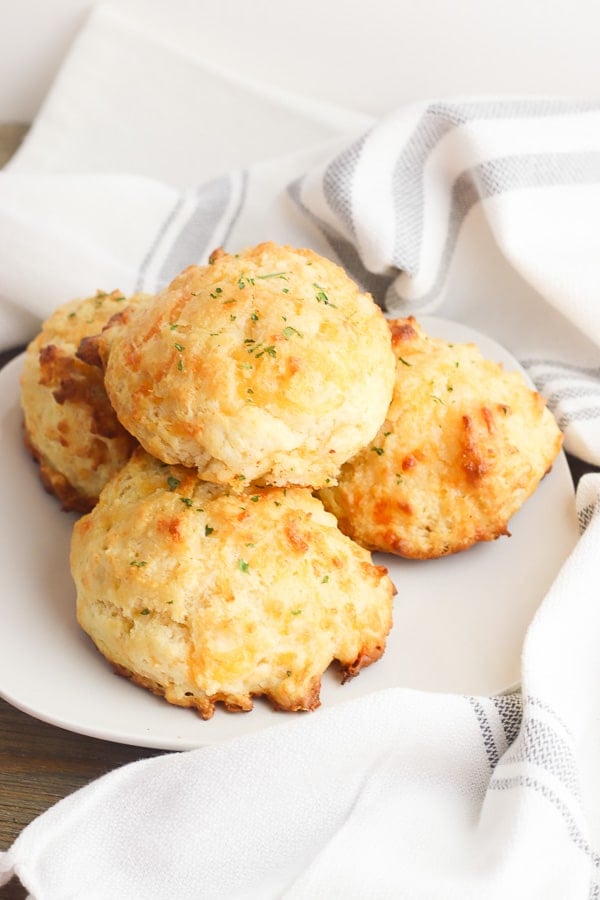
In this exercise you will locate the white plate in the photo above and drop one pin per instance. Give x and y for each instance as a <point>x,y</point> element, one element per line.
<point>459,622</point>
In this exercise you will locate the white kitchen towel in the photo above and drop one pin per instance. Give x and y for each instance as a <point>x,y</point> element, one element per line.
<point>481,210</point>
<point>400,795</point>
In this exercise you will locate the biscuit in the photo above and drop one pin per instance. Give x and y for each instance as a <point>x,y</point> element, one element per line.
<point>69,425</point>
<point>463,446</point>
<point>266,365</point>
<point>205,595</point>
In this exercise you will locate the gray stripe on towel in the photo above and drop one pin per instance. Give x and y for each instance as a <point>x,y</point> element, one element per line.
<point>192,242</point>
<point>573,830</point>
<point>345,252</point>
<point>140,282</point>
<point>337,182</point>
<point>499,176</point>
<point>437,120</point>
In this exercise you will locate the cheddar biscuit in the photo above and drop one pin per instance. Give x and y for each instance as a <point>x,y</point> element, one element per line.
<point>70,426</point>
<point>266,365</point>
<point>204,595</point>
<point>464,444</point>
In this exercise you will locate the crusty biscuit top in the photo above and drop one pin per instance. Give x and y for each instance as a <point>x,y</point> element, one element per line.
<point>269,364</point>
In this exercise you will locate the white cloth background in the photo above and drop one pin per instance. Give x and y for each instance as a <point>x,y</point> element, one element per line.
<point>483,210</point>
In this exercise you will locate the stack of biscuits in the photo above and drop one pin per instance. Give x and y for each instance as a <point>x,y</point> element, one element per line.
<point>240,443</point>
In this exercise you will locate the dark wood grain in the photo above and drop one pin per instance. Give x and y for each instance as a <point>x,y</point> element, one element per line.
<point>40,764</point>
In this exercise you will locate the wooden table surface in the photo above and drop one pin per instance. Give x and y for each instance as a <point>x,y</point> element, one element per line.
<point>40,764</point>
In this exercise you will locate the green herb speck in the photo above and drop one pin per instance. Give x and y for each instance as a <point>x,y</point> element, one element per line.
<point>270,351</point>
<point>322,297</point>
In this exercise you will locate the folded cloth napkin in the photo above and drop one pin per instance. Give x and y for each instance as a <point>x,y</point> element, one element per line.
<point>484,211</point>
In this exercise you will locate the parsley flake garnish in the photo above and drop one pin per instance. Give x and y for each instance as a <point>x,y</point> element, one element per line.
<point>322,297</point>
<point>243,565</point>
<point>173,482</point>
<point>270,351</point>
<point>243,280</point>
<point>283,275</point>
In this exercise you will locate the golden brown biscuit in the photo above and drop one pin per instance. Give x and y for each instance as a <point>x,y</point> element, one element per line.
<point>70,426</point>
<point>206,595</point>
<point>463,446</point>
<point>268,364</point>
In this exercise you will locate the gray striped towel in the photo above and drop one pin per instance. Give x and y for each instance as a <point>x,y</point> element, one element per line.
<point>485,212</point>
